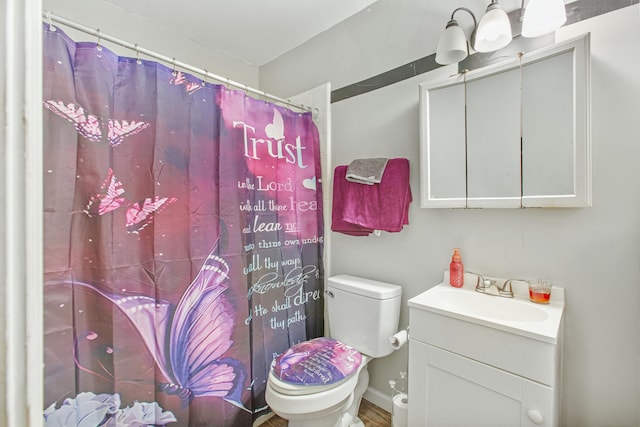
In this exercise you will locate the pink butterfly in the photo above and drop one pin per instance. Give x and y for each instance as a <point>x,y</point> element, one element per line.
<point>139,214</point>
<point>180,78</point>
<point>108,199</point>
<point>91,127</point>
<point>191,87</point>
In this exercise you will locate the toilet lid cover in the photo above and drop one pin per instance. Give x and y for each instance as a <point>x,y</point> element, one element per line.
<point>320,361</point>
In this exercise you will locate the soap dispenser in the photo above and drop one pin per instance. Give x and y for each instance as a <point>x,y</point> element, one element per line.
<point>456,270</point>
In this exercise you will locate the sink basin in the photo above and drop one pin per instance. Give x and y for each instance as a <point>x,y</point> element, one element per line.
<point>516,315</point>
<point>491,307</point>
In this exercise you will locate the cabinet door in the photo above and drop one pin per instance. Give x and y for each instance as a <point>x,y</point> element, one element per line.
<point>556,153</point>
<point>446,389</point>
<point>493,140</point>
<point>547,127</point>
<point>443,149</point>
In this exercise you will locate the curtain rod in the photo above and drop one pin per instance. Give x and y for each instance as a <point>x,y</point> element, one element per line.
<point>49,17</point>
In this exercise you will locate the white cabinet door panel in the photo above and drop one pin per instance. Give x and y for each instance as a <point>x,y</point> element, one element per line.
<point>493,139</point>
<point>446,389</point>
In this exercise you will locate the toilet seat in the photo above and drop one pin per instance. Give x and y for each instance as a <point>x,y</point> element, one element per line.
<point>316,364</point>
<point>290,389</point>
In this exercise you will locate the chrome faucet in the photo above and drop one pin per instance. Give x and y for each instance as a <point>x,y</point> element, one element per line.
<point>490,287</point>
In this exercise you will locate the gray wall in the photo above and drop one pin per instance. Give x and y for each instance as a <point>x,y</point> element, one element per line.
<point>593,252</point>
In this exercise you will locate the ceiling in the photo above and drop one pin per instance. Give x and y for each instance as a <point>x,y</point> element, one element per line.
<point>254,31</point>
<point>232,27</point>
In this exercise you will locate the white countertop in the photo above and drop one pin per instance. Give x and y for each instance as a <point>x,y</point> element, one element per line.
<point>517,315</point>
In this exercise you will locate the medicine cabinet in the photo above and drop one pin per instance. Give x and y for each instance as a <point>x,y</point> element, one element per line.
<point>511,135</point>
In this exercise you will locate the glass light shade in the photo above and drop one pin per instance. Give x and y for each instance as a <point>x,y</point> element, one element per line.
<point>494,30</point>
<point>543,17</point>
<point>452,46</point>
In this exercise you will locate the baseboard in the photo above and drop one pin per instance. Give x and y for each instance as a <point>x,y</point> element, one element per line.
<point>378,398</point>
<point>263,419</point>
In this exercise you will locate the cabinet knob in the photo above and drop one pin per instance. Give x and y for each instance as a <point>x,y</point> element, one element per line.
<point>535,416</point>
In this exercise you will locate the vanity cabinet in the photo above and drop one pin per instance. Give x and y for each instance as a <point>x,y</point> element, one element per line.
<point>514,134</point>
<point>458,391</point>
<point>474,370</point>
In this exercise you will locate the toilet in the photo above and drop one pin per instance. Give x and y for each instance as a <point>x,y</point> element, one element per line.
<point>320,382</point>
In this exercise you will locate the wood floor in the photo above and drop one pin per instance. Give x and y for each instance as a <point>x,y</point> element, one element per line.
<point>370,414</point>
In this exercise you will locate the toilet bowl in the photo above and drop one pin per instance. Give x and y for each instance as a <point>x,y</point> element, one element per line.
<point>320,382</point>
<point>305,406</point>
<point>318,405</point>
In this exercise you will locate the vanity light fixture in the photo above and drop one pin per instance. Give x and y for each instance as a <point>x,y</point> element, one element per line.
<point>493,32</point>
<point>542,17</point>
<point>452,45</point>
<point>494,29</point>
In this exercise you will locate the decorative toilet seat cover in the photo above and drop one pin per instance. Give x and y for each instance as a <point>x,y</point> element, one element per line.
<point>319,361</point>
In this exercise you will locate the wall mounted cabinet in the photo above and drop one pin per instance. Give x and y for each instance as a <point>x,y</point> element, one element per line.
<point>515,134</point>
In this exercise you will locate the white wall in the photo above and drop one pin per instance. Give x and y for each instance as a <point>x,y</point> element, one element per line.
<point>112,20</point>
<point>594,253</point>
<point>20,215</point>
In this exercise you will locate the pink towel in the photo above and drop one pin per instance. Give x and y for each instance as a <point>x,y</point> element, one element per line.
<point>340,186</point>
<point>359,209</point>
<point>383,206</point>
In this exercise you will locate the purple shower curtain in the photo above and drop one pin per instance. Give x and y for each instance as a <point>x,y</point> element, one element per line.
<point>183,242</point>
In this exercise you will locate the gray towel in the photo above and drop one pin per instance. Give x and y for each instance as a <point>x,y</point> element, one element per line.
<point>366,171</point>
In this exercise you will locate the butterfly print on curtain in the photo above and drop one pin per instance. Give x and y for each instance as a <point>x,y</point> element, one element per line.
<point>189,341</point>
<point>190,87</point>
<point>138,215</point>
<point>93,128</point>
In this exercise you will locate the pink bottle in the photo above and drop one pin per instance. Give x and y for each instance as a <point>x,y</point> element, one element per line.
<point>456,270</point>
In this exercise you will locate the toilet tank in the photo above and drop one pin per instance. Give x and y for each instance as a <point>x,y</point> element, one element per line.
<point>363,313</point>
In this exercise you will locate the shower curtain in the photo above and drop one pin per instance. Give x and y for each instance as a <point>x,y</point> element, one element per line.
<point>183,241</point>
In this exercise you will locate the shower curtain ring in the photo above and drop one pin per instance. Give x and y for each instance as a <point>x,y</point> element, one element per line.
<point>173,71</point>
<point>138,60</point>
<point>204,77</point>
<point>98,46</point>
<point>51,27</point>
